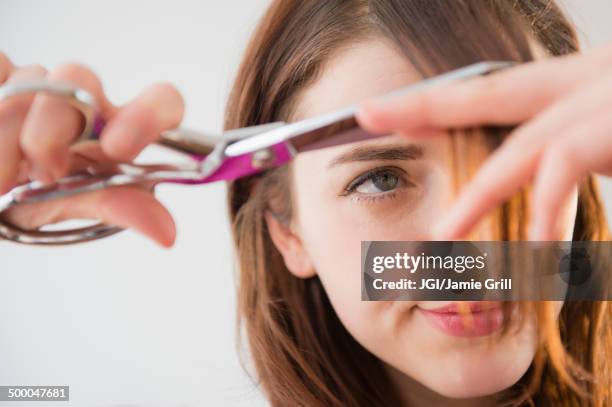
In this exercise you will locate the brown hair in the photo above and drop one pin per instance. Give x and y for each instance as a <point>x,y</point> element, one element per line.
<point>303,355</point>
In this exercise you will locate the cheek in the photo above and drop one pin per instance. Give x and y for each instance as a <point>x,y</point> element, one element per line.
<point>332,228</point>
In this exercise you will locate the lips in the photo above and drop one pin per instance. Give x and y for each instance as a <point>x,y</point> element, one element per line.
<point>465,319</point>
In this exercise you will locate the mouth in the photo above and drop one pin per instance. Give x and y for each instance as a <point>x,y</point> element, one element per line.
<point>464,319</point>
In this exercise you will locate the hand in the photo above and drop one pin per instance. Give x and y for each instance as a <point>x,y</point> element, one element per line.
<point>37,134</point>
<point>563,107</point>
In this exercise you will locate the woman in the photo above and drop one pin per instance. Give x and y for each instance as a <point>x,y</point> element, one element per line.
<point>297,228</point>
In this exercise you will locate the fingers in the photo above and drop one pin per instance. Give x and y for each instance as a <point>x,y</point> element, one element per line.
<point>52,124</point>
<point>563,166</point>
<point>516,161</point>
<point>507,97</point>
<point>127,207</point>
<point>37,134</point>
<point>554,183</point>
<point>158,108</point>
<point>12,113</point>
<point>501,176</point>
<point>137,209</point>
<point>483,100</point>
<point>549,95</point>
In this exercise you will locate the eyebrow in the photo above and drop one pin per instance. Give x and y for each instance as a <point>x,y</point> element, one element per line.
<point>381,153</point>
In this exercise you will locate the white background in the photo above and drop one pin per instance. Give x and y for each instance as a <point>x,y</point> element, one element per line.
<point>122,321</point>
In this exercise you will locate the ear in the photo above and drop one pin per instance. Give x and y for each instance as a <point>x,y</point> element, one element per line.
<point>290,247</point>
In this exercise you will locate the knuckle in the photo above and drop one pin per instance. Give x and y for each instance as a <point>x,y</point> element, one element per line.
<point>34,215</point>
<point>71,70</point>
<point>41,149</point>
<point>46,157</point>
<point>33,148</point>
<point>77,74</point>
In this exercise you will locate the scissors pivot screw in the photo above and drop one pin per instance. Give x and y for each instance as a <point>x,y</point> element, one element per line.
<point>246,151</point>
<point>263,159</point>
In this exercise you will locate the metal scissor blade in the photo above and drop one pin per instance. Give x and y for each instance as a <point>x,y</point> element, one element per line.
<point>288,132</point>
<point>202,144</point>
<point>304,134</point>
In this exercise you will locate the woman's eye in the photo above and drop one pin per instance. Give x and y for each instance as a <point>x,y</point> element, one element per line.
<point>378,182</point>
<point>381,182</point>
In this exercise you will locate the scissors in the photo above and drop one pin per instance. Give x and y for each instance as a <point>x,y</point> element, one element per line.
<point>227,156</point>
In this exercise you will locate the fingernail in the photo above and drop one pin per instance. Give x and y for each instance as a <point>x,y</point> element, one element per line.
<point>168,235</point>
<point>168,241</point>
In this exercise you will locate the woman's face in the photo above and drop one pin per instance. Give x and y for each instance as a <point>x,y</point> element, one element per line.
<point>390,188</point>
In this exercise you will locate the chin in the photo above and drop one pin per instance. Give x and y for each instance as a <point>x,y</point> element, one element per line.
<point>466,374</point>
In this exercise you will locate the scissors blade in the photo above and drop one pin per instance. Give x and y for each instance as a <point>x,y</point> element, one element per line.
<point>313,133</point>
<point>201,144</point>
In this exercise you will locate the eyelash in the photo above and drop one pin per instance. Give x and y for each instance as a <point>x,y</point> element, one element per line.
<point>350,189</point>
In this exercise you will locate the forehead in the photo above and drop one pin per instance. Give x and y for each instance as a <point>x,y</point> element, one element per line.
<point>355,72</point>
<point>361,70</point>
